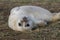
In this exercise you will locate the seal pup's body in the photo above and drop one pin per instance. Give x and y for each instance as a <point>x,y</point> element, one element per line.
<point>33,14</point>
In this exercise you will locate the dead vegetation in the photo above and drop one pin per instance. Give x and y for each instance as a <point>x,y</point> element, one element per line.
<point>51,32</point>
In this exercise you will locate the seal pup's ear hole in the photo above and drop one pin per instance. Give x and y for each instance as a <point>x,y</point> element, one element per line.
<point>34,28</point>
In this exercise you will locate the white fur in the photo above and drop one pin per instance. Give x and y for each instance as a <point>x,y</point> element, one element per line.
<point>35,15</point>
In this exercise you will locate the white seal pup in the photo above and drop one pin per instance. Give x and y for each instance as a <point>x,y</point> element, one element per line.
<point>25,18</point>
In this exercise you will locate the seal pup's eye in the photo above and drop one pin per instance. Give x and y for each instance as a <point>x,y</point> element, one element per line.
<point>19,24</point>
<point>27,25</point>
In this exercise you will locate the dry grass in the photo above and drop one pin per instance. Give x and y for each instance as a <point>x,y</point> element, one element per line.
<point>51,32</point>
